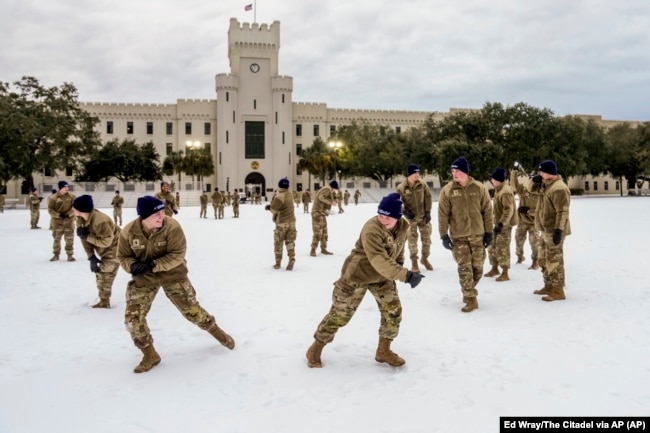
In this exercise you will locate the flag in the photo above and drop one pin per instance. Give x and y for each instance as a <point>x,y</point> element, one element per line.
<point>248,7</point>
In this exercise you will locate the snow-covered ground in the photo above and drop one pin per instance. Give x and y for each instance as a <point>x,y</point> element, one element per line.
<point>65,367</point>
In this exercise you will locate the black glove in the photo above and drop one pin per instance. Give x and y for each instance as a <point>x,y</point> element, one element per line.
<point>557,236</point>
<point>40,199</point>
<point>138,268</point>
<point>175,212</point>
<point>523,210</point>
<point>400,263</point>
<point>497,228</point>
<point>64,215</point>
<point>267,207</point>
<point>537,179</point>
<point>94,263</point>
<point>413,278</point>
<point>427,217</point>
<point>82,232</point>
<point>446,242</point>
<point>487,239</point>
<point>408,215</point>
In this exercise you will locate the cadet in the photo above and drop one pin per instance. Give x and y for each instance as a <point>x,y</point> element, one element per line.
<point>99,236</point>
<point>306,199</point>
<point>167,197</point>
<point>357,194</point>
<point>465,224</point>
<point>203,200</point>
<point>152,249</point>
<point>505,217</point>
<point>528,197</point>
<point>235,204</point>
<point>217,198</point>
<point>374,264</point>
<point>346,197</point>
<point>34,208</point>
<point>59,207</point>
<point>117,203</point>
<point>552,220</point>
<point>323,202</point>
<point>284,218</point>
<point>416,196</point>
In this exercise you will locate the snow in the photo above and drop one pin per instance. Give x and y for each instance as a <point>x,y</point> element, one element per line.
<point>65,367</point>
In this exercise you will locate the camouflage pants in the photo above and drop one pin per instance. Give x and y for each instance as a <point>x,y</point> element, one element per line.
<point>305,207</point>
<point>347,297</point>
<point>319,228</point>
<point>285,233</point>
<point>499,250</point>
<point>551,260</point>
<point>138,303</point>
<point>469,254</point>
<point>220,211</point>
<point>34,217</point>
<point>216,210</point>
<point>425,234</point>
<point>105,278</point>
<point>204,211</point>
<point>117,215</point>
<point>235,210</point>
<point>63,229</point>
<point>524,229</point>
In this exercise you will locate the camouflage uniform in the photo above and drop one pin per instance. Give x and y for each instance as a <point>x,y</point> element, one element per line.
<point>357,194</point>
<point>2,203</point>
<point>101,241</point>
<point>59,207</point>
<point>34,202</point>
<point>165,248</point>
<point>296,198</point>
<point>465,214</point>
<point>217,199</point>
<point>373,265</point>
<point>346,197</point>
<point>221,205</point>
<point>528,197</point>
<point>178,200</point>
<point>306,199</point>
<point>203,200</point>
<point>235,204</point>
<point>285,227</point>
<point>117,203</point>
<point>553,213</point>
<point>323,201</point>
<point>417,204</point>
<point>504,211</point>
<point>339,201</point>
<point>170,202</point>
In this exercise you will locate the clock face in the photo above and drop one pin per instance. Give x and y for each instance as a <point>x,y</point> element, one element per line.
<point>255,68</point>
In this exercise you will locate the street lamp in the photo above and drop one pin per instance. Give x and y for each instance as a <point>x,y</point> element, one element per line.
<point>336,146</point>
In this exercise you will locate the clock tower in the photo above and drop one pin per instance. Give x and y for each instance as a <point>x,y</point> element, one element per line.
<point>254,112</point>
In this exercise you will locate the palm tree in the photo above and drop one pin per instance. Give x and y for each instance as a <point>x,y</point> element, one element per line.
<point>173,164</point>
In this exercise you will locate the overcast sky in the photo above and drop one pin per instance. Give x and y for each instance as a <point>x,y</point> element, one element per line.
<point>572,56</point>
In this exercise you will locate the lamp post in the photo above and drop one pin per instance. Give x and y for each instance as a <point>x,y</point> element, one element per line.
<point>336,147</point>
<point>193,146</point>
<point>227,184</point>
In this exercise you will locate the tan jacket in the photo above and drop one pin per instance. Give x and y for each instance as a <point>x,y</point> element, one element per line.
<point>553,207</point>
<point>203,200</point>
<point>417,198</point>
<point>528,196</point>
<point>306,197</point>
<point>102,237</point>
<point>60,203</point>
<point>117,202</point>
<point>464,211</point>
<point>323,201</point>
<point>34,202</point>
<point>504,206</point>
<point>165,247</point>
<point>377,254</point>
<point>283,207</point>
<point>170,202</point>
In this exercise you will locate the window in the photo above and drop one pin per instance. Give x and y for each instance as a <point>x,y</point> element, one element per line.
<point>149,128</point>
<point>227,137</point>
<point>254,104</point>
<point>68,171</point>
<point>170,128</point>
<point>398,130</point>
<point>188,128</point>
<point>207,128</point>
<point>618,185</point>
<point>282,137</point>
<point>227,96</point>
<point>595,185</point>
<point>276,117</point>
<point>233,116</point>
<point>316,131</point>
<point>586,186</point>
<point>606,186</point>
<point>283,98</point>
<point>254,139</point>
<point>298,130</point>
<point>109,127</point>
<point>332,129</point>
<point>129,127</point>
<point>169,148</point>
<point>299,149</point>
<point>207,147</point>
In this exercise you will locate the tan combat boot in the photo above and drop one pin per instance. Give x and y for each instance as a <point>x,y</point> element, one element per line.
<point>426,264</point>
<point>471,304</point>
<point>277,264</point>
<point>313,354</point>
<point>149,361</point>
<point>292,260</point>
<point>384,354</point>
<point>492,272</point>
<point>325,252</point>
<point>54,258</point>
<point>223,338</point>
<point>504,275</point>
<point>535,265</point>
<point>103,303</point>
<point>520,259</point>
<point>313,252</point>
<point>71,258</point>
<point>554,295</point>
<point>414,265</point>
<point>543,291</point>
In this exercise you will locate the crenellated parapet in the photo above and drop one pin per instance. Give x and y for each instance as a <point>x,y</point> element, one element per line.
<point>283,83</point>
<point>254,33</point>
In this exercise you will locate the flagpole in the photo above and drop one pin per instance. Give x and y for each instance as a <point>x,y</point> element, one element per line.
<point>255,12</point>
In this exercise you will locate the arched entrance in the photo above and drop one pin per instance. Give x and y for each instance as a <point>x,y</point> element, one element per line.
<point>254,184</point>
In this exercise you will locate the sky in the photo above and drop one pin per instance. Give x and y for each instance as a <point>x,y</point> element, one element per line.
<point>575,57</point>
<point>65,367</point>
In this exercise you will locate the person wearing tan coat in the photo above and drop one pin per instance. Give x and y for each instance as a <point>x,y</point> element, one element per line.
<point>505,218</point>
<point>417,199</point>
<point>284,216</point>
<point>376,261</point>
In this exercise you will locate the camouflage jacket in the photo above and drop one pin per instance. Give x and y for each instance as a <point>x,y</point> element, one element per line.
<point>103,235</point>
<point>464,211</point>
<point>323,201</point>
<point>117,202</point>
<point>417,198</point>
<point>528,197</point>
<point>553,207</point>
<point>166,247</point>
<point>504,206</point>
<point>170,202</point>
<point>60,203</point>
<point>283,207</point>
<point>378,254</point>
<point>306,197</point>
<point>34,202</point>
<point>217,198</point>
<point>203,200</point>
